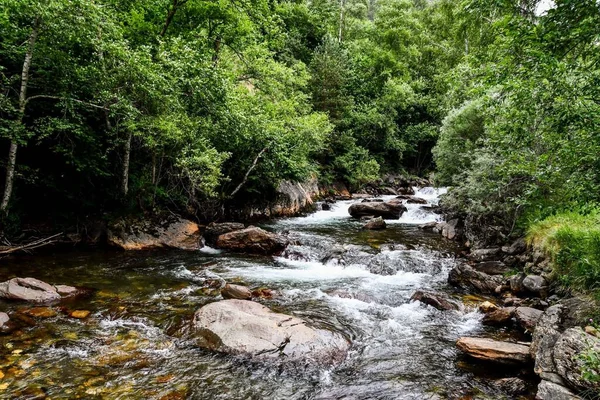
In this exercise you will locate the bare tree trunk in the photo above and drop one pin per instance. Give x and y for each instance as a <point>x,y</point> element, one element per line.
<point>341,27</point>
<point>12,152</point>
<point>171,14</point>
<point>371,11</point>
<point>125,171</point>
<point>243,182</point>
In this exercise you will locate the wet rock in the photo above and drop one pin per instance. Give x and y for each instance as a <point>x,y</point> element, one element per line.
<point>528,317</point>
<point>491,267</point>
<point>392,209</point>
<point>371,200</point>
<point>28,289</point>
<point>494,350</point>
<point>80,314</point>
<point>4,318</point>
<point>491,254</point>
<point>375,224</point>
<point>416,200</point>
<point>406,190</point>
<point>487,307</point>
<point>569,347</point>
<point>177,233</point>
<point>365,298</point>
<point>67,291</point>
<point>466,277</point>
<point>325,206</point>
<point>246,327</point>
<point>366,218</point>
<point>263,293</point>
<point>236,292</point>
<point>535,284</point>
<point>552,391</point>
<point>252,240</point>
<point>41,312</point>
<point>502,316</point>
<point>429,226</point>
<point>216,229</point>
<point>436,300</point>
<point>513,386</point>
<point>513,301</point>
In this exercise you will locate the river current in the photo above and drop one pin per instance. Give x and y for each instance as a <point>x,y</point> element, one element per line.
<point>136,345</point>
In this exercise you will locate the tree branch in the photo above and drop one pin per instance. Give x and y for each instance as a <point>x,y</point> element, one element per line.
<point>42,96</point>
<point>243,182</point>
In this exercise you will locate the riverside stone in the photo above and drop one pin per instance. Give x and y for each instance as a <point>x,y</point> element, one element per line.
<point>28,289</point>
<point>494,350</point>
<point>252,240</point>
<point>248,328</point>
<point>435,300</point>
<point>392,209</point>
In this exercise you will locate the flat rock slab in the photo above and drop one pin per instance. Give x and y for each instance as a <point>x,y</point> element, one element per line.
<point>252,240</point>
<point>392,209</point>
<point>494,350</point>
<point>28,289</point>
<point>175,233</point>
<point>249,328</point>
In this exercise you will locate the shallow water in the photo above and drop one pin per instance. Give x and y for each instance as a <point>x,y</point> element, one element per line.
<point>135,345</point>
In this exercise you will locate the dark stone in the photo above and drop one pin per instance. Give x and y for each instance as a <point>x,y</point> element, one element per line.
<point>466,277</point>
<point>528,317</point>
<point>392,209</point>
<point>375,224</point>
<point>435,300</point>
<point>216,229</point>
<point>491,267</point>
<point>252,240</point>
<point>502,316</point>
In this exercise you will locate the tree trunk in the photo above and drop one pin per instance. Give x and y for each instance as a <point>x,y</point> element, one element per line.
<point>371,11</point>
<point>125,171</point>
<point>340,31</point>
<point>171,14</point>
<point>12,153</point>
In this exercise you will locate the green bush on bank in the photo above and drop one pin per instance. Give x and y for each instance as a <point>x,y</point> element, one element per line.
<point>572,242</point>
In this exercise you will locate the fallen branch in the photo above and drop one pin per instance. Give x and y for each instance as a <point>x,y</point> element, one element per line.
<point>243,182</point>
<point>32,245</point>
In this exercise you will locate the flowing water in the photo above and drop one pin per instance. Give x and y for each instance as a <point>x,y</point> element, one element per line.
<point>135,344</point>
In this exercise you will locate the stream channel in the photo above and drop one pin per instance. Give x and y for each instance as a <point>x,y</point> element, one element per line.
<point>135,344</point>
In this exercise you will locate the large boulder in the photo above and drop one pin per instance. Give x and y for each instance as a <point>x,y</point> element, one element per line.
<point>248,328</point>
<point>375,224</point>
<point>435,300</point>
<point>546,333</point>
<point>570,351</point>
<point>252,240</point>
<point>499,317</point>
<point>535,284</point>
<point>392,209</point>
<point>489,254</point>
<point>465,277</point>
<point>492,267</point>
<point>216,229</point>
<point>168,232</point>
<point>28,289</point>
<point>517,247</point>
<point>494,350</point>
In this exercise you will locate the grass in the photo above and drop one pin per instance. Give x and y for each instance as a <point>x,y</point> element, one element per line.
<point>572,242</point>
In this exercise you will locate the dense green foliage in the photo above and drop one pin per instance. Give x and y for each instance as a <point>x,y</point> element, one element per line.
<point>196,104</point>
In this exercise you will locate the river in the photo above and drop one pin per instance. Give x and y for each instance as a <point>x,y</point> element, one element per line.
<point>135,344</point>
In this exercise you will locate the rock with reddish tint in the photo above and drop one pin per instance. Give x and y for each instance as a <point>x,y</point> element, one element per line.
<point>502,316</point>
<point>375,224</point>
<point>435,300</point>
<point>41,312</point>
<point>80,314</point>
<point>248,328</point>
<point>263,293</point>
<point>236,292</point>
<point>171,232</point>
<point>216,229</point>
<point>28,289</point>
<point>487,307</point>
<point>252,240</point>
<point>67,291</point>
<point>494,350</point>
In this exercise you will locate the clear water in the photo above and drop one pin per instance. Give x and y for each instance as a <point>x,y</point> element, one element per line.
<point>136,344</point>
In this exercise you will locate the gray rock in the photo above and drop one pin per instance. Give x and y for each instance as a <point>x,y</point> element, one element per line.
<point>67,291</point>
<point>468,278</point>
<point>516,283</point>
<point>491,267</point>
<point>236,292</point>
<point>435,300</point>
<point>494,350</point>
<point>545,335</point>
<point>450,230</point>
<point>551,391</point>
<point>491,254</point>
<point>4,318</point>
<point>416,200</point>
<point>248,328</point>
<point>326,207</point>
<point>535,284</point>
<point>375,224</point>
<point>28,289</point>
<point>528,317</point>
<point>571,344</point>
<point>392,209</point>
